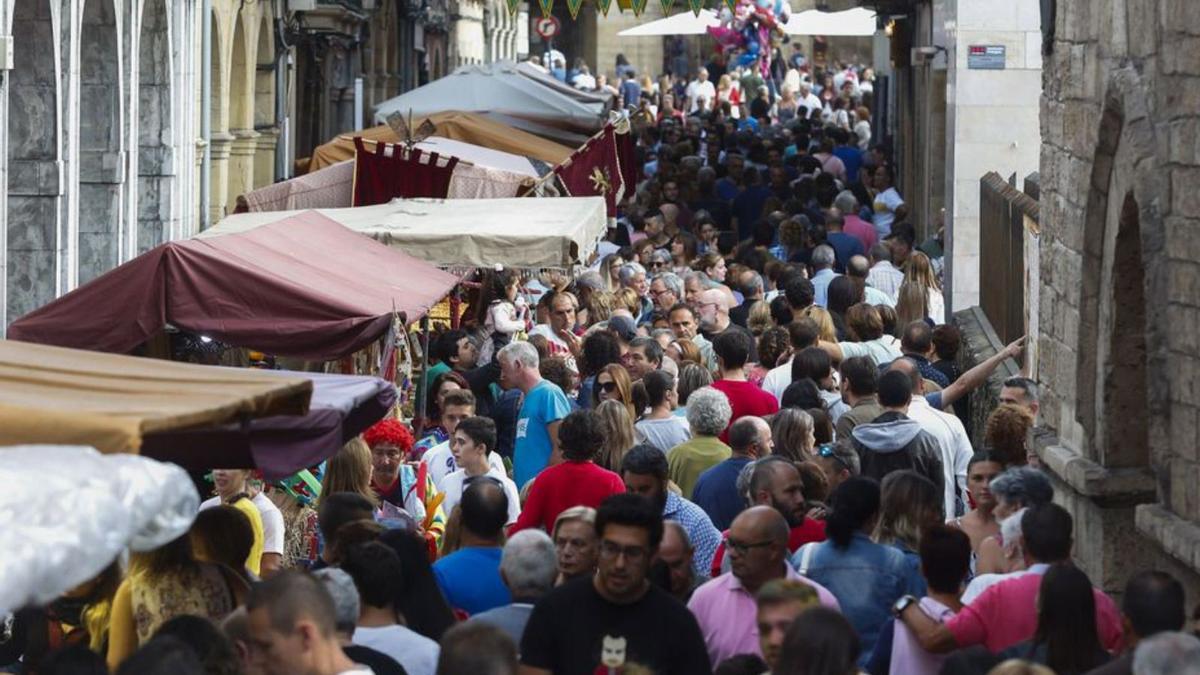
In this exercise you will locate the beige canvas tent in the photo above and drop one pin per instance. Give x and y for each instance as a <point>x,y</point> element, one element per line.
<point>459,126</point>
<point>464,233</point>
<point>110,401</point>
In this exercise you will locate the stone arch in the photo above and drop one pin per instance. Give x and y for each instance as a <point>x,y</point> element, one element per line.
<point>265,124</point>
<point>1121,344</point>
<point>241,99</point>
<point>156,154</point>
<point>243,144</point>
<point>101,159</point>
<point>35,238</point>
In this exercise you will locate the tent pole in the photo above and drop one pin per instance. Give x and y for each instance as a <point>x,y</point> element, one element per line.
<point>424,368</point>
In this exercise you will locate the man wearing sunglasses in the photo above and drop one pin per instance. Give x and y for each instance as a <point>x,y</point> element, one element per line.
<point>839,461</point>
<point>725,607</point>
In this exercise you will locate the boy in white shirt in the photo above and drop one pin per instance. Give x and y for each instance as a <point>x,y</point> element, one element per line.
<point>472,445</point>
<point>440,459</point>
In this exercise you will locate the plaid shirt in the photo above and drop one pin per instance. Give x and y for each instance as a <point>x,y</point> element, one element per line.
<point>886,278</point>
<point>704,536</point>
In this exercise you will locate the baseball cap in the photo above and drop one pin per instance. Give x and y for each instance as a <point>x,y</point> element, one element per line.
<point>623,326</point>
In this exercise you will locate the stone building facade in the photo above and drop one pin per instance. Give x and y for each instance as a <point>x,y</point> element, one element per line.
<point>102,148</point>
<point>1119,308</point>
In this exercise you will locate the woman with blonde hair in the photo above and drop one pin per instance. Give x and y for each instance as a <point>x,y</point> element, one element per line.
<point>628,299</point>
<point>759,318</point>
<point>862,127</point>
<point>918,270</point>
<point>912,304</point>
<point>712,265</point>
<point>792,430</point>
<point>600,306</point>
<point>826,331</point>
<point>613,384</point>
<point>349,470</point>
<point>617,427</point>
<point>610,269</point>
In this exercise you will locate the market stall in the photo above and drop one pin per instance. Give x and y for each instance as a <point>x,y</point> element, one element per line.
<point>196,416</point>
<point>522,233</point>
<point>472,128</point>
<point>302,286</point>
<point>480,171</point>
<point>501,89</point>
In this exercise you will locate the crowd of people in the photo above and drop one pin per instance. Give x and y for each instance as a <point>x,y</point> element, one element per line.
<point>737,443</point>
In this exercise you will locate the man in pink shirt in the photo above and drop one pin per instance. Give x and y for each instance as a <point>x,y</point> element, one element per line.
<point>852,225</point>
<point>1006,613</point>
<point>945,562</point>
<point>725,607</point>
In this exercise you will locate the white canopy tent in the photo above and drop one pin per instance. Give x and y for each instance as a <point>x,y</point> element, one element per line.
<point>525,233</point>
<point>852,22</point>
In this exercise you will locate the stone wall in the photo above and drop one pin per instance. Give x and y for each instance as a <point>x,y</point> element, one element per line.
<point>1120,277</point>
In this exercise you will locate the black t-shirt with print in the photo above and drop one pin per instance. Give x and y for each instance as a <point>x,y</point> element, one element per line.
<point>575,631</point>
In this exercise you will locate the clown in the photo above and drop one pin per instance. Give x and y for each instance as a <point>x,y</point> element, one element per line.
<point>398,483</point>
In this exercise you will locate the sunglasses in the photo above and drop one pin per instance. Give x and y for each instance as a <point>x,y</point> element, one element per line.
<point>608,387</point>
<point>826,450</point>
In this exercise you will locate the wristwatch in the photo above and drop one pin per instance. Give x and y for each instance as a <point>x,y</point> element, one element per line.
<point>902,604</point>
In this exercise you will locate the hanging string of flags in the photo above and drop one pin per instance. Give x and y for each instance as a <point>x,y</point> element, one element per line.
<point>636,6</point>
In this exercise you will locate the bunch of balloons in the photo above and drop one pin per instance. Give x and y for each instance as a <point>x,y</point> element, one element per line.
<point>747,31</point>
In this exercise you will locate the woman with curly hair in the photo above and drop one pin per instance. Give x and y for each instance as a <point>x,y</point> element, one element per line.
<point>576,481</point>
<point>1005,434</point>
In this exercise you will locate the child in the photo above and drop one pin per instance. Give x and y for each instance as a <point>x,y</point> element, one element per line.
<point>507,312</point>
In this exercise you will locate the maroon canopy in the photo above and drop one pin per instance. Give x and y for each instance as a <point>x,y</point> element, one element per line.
<point>305,286</point>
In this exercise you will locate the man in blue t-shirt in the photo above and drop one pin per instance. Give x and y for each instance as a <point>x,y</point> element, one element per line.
<point>845,246</point>
<point>470,577</point>
<point>536,445</point>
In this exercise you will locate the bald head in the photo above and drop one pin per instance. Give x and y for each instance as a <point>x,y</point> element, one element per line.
<point>716,297</point>
<point>675,539</point>
<point>909,368</point>
<point>858,266</point>
<point>761,523</point>
<point>670,213</point>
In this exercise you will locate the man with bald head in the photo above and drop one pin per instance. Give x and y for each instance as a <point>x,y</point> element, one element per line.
<point>713,307</point>
<point>716,490</point>
<point>859,268</point>
<point>725,607</point>
<point>947,430</point>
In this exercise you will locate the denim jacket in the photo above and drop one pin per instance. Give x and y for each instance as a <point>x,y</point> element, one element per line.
<point>867,579</point>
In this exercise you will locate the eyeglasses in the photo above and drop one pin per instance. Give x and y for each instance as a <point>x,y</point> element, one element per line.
<point>633,554</point>
<point>828,451</point>
<point>743,548</point>
<point>608,387</point>
<point>388,454</point>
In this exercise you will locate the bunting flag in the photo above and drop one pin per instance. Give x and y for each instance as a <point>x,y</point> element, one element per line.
<point>513,6</point>
<point>573,7</point>
<point>604,6</point>
<point>696,6</point>
<point>731,4</point>
<point>666,6</point>
<point>547,7</point>
<point>638,6</point>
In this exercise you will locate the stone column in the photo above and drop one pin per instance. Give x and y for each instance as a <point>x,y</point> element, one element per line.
<point>241,165</point>
<point>222,143</point>
<point>264,157</point>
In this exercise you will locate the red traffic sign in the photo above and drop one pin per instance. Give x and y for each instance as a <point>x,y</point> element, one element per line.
<point>547,27</point>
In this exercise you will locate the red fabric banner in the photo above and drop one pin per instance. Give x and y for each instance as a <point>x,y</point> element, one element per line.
<point>379,178</point>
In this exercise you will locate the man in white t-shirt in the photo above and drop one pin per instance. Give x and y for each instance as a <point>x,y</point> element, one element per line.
<point>457,406</point>
<point>700,93</point>
<point>231,482</point>
<point>472,443</point>
<point>808,100</point>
